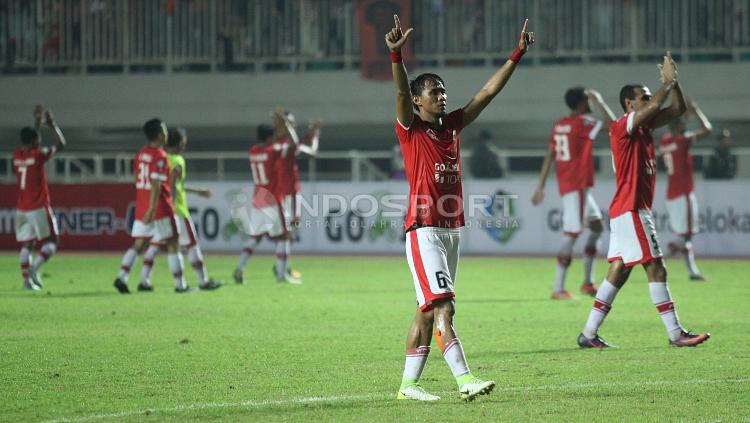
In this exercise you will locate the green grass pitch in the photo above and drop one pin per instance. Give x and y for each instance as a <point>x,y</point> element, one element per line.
<point>332,349</point>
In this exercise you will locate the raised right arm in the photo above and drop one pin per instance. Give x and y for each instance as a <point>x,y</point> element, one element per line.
<point>395,39</point>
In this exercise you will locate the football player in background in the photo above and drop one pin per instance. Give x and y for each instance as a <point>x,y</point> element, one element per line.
<point>571,148</point>
<point>682,205</point>
<point>633,239</point>
<point>265,216</point>
<point>430,141</point>
<point>155,219</point>
<point>35,223</point>
<point>176,143</point>
<point>287,174</point>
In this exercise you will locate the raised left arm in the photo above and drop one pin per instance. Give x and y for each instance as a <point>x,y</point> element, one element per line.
<point>59,138</point>
<point>312,148</point>
<point>706,126</point>
<point>497,81</point>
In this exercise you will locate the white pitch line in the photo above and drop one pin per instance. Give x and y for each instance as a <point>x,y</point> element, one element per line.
<point>369,397</point>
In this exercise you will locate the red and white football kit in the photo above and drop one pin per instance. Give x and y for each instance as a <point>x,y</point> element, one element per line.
<point>265,216</point>
<point>34,219</point>
<point>151,166</point>
<point>435,210</point>
<point>572,140</point>
<point>633,236</point>
<point>682,205</point>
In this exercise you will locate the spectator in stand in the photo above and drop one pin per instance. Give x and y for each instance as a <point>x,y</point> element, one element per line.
<point>723,164</point>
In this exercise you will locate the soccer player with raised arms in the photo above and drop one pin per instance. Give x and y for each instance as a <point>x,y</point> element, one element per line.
<point>570,148</point>
<point>35,223</point>
<point>430,141</point>
<point>674,148</point>
<point>633,237</point>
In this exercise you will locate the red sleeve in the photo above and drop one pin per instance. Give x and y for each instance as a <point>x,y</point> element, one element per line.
<point>455,120</point>
<point>402,132</point>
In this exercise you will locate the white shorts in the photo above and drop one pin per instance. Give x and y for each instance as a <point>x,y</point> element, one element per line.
<point>185,225</point>
<point>683,214</point>
<point>255,222</point>
<point>37,224</point>
<point>158,230</point>
<point>432,254</point>
<point>633,238</point>
<point>579,207</point>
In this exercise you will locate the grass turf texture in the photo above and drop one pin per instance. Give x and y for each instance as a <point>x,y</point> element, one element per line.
<point>333,348</point>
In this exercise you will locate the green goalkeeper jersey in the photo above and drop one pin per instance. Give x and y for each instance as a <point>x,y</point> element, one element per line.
<point>178,196</point>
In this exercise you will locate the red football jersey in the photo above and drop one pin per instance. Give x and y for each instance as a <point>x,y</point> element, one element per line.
<point>151,166</point>
<point>572,138</point>
<point>287,171</point>
<point>433,167</point>
<point>28,164</point>
<point>263,163</point>
<point>675,150</point>
<point>634,161</point>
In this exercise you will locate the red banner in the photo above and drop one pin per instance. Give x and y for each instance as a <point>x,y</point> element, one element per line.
<point>89,216</point>
<point>375,20</point>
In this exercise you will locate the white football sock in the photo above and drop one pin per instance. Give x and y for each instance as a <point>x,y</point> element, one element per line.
<point>416,359</point>
<point>196,261</point>
<point>247,252</point>
<point>127,262</point>
<point>24,257</point>
<point>589,254</point>
<point>281,259</point>
<point>690,259</point>
<point>662,299</point>
<point>176,267</point>
<point>148,264</point>
<point>45,253</point>
<point>605,295</point>
<point>563,262</point>
<point>454,356</point>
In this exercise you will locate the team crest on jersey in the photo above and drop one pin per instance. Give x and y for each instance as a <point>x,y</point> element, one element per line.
<point>161,163</point>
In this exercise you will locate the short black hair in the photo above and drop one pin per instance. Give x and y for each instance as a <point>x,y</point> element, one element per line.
<point>264,131</point>
<point>417,85</point>
<point>152,128</point>
<point>174,136</point>
<point>28,135</point>
<point>674,123</point>
<point>574,96</point>
<point>628,92</point>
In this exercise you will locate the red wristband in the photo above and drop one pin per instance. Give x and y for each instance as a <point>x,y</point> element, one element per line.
<point>516,56</point>
<point>396,57</point>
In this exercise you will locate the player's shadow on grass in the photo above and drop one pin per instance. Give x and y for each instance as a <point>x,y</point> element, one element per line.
<point>495,354</point>
<point>81,294</point>
<point>502,300</point>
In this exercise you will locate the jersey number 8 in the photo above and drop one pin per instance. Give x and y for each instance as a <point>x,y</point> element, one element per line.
<point>562,148</point>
